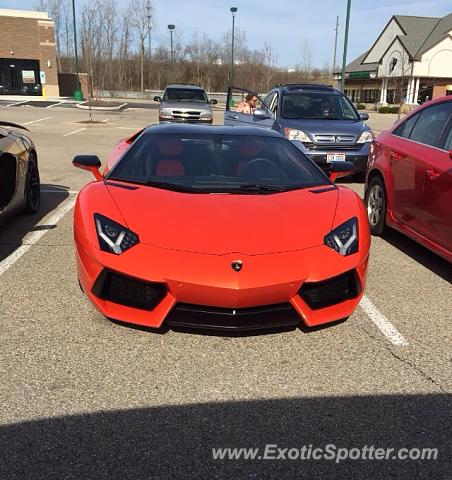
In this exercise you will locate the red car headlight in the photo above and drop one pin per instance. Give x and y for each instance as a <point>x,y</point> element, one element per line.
<point>114,237</point>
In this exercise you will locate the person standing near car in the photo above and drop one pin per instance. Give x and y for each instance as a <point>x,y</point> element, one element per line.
<point>248,106</point>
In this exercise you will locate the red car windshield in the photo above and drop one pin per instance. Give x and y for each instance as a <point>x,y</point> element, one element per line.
<point>217,163</point>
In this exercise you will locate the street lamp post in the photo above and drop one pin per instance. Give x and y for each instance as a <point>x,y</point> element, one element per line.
<point>171,28</point>
<point>78,95</point>
<point>233,10</point>
<point>344,57</point>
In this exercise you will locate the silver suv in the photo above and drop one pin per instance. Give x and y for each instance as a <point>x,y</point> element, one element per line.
<point>185,103</point>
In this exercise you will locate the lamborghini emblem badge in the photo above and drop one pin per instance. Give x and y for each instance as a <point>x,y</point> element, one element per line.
<point>236,265</point>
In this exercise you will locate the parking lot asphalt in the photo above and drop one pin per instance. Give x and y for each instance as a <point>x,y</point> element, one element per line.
<point>84,397</point>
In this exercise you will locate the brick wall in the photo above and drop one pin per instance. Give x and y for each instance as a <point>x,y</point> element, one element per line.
<point>31,39</point>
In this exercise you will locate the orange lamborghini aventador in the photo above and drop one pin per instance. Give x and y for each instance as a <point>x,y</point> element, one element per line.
<point>220,228</point>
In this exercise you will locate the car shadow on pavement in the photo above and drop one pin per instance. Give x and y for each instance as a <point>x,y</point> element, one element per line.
<point>12,232</point>
<point>420,254</point>
<point>172,442</point>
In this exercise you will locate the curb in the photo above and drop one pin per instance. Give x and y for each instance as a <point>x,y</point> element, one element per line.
<point>109,109</point>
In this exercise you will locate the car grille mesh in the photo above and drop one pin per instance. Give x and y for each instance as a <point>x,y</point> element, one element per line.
<point>128,291</point>
<point>332,291</point>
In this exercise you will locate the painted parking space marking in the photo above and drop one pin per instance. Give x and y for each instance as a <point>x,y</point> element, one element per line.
<point>75,131</point>
<point>36,121</point>
<point>31,239</point>
<point>382,323</point>
<point>55,104</point>
<point>16,103</point>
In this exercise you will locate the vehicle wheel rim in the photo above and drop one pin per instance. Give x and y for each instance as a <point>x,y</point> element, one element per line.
<point>375,205</point>
<point>33,186</point>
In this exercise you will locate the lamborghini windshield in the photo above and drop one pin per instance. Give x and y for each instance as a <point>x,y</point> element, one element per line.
<point>318,106</point>
<point>217,163</point>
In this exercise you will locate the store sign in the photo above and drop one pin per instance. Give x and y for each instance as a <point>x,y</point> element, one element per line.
<point>28,76</point>
<point>359,75</point>
<point>42,76</point>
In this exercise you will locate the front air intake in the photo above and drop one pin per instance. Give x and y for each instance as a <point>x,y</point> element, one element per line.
<point>332,291</point>
<point>131,292</point>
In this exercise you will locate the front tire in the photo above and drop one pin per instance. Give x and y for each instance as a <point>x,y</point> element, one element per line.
<point>375,200</point>
<point>33,186</point>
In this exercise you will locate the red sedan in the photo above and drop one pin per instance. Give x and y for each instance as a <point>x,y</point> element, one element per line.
<point>409,184</point>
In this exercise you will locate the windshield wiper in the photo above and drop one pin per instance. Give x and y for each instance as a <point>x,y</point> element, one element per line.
<point>258,187</point>
<point>177,187</point>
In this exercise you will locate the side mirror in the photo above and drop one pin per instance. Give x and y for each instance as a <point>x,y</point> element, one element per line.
<point>340,169</point>
<point>213,101</point>
<point>364,116</point>
<point>90,163</point>
<point>450,154</point>
<point>157,99</point>
<point>260,114</point>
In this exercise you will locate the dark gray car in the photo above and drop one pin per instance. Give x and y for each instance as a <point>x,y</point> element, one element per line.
<point>319,119</point>
<point>185,104</point>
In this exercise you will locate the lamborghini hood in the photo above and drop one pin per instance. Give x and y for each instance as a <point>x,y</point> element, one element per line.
<point>228,223</point>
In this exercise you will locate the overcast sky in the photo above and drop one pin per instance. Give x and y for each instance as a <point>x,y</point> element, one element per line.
<point>285,24</point>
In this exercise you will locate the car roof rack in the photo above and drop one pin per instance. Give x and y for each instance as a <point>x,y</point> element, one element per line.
<point>184,85</point>
<point>306,86</point>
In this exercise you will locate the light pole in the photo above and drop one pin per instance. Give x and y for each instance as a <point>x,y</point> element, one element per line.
<point>344,57</point>
<point>171,28</point>
<point>233,10</point>
<point>78,95</point>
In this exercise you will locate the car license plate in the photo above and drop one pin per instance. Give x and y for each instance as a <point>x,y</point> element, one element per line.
<point>335,157</point>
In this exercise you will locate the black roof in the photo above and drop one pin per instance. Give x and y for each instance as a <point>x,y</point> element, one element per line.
<point>184,128</point>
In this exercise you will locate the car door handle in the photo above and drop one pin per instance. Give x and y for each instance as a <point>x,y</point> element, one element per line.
<point>432,174</point>
<point>232,117</point>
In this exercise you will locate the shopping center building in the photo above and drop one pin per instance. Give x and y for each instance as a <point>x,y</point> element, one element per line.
<point>27,54</point>
<point>410,61</point>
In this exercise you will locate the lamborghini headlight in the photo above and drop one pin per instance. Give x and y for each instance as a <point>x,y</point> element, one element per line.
<point>113,237</point>
<point>344,238</point>
<point>365,137</point>
<point>294,134</point>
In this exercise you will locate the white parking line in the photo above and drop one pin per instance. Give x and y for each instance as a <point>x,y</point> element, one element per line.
<point>75,131</point>
<point>35,121</point>
<point>55,104</point>
<point>31,239</point>
<point>17,103</point>
<point>382,323</point>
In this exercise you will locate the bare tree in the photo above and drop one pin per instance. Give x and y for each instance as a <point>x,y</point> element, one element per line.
<point>270,63</point>
<point>306,58</point>
<point>54,8</point>
<point>140,11</point>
